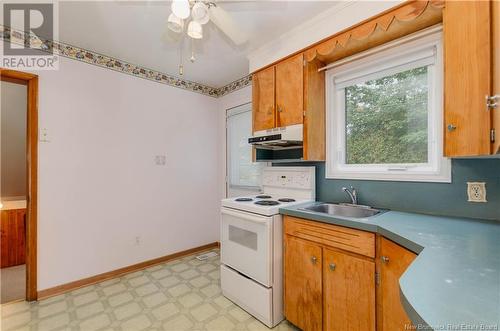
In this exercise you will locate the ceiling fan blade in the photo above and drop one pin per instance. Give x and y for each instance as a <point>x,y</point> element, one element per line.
<point>227,25</point>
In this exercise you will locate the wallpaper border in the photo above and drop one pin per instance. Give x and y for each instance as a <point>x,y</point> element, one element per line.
<point>111,63</point>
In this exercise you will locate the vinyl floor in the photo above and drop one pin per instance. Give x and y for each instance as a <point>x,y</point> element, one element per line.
<point>183,294</point>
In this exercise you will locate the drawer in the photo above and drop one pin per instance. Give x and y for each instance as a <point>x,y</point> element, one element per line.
<point>356,241</point>
<point>250,295</point>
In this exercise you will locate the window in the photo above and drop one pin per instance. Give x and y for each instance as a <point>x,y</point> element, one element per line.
<point>242,173</point>
<point>384,113</point>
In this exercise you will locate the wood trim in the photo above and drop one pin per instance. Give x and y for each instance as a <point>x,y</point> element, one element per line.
<point>495,45</point>
<point>402,20</point>
<point>405,11</point>
<point>31,81</point>
<point>13,80</point>
<point>378,287</point>
<point>60,289</point>
<point>32,212</point>
<point>13,74</point>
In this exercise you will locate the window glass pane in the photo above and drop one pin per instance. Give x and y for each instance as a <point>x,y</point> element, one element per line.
<point>386,119</point>
<point>243,237</point>
<point>242,171</point>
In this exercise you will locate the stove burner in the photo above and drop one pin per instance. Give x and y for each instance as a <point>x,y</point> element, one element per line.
<point>243,199</point>
<point>263,196</point>
<point>267,203</point>
<point>286,200</point>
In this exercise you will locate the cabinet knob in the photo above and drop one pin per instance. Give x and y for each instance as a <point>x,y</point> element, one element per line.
<point>332,266</point>
<point>280,109</point>
<point>385,259</point>
<point>314,259</point>
<point>451,127</point>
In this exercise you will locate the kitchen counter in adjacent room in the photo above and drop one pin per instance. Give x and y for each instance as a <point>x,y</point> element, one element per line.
<point>454,282</point>
<point>13,204</point>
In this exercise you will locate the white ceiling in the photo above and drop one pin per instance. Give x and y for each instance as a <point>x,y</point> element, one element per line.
<point>135,32</point>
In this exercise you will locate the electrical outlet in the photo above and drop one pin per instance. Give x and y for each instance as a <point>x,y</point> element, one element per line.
<point>476,191</point>
<point>137,240</point>
<point>160,160</point>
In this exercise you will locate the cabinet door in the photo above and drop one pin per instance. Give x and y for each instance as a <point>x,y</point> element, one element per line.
<point>349,292</point>
<point>314,119</point>
<point>303,288</point>
<point>467,77</point>
<point>394,261</point>
<point>263,100</point>
<point>289,91</point>
<point>495,20</point>
<point>13,243</point>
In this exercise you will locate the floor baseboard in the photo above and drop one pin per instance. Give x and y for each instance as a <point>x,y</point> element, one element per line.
<point>60,289</point>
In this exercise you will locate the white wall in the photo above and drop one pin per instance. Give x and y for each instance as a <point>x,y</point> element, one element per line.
<point>99,187</point>
<point>343,15</point>
<point>13,140</point>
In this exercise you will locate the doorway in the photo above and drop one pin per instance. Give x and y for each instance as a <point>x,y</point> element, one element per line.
<point>242,174</point>
<point>18,185</point>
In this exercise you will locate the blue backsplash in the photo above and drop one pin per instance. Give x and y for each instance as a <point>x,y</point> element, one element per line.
<point>428,198</point>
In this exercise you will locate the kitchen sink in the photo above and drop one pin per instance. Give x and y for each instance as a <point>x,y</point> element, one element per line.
<point>345,210</point>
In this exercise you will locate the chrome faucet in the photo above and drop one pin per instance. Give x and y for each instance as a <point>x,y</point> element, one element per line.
<point>352,194</point>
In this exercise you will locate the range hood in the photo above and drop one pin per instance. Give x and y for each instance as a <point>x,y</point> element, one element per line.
<point>287,137</point>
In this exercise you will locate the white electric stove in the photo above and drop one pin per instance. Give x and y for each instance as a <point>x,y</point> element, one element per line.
<point>252,239</point>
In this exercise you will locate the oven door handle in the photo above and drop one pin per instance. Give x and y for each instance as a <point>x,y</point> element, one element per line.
<point>245,216</point>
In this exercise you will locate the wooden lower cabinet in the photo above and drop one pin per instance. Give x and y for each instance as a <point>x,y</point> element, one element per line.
<point>326,288</point>
<point>303,283</point>
<point>349,292</point>
<point>330,278</point>
<point>393,262</point>
<point>13,237</point>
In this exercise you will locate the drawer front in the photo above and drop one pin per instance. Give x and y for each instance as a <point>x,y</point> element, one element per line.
<point>356,241</point>
<point>250,295</point>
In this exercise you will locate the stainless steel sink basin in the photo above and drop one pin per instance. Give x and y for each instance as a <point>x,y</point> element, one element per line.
<point>344,210</point>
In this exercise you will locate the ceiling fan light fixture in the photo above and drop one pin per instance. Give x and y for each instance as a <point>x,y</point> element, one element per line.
<point>175,23</point>
<point>200,13</point>
<point>181,8</point>
<point>195,30</point>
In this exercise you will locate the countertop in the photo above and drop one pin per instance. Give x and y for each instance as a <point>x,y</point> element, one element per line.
<point>13,204</point>
<point>454,283</point>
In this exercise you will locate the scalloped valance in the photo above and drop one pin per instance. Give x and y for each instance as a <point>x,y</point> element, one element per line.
<point>397,22</point>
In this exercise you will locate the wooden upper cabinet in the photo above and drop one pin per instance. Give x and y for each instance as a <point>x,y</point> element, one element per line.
<point>303,284</point>
<point>289,91</point>
<point>314,107</point>
<point>349,292</point>
<point>495,17</point>
<point>467,77</point>
<point>263,100</point>
<point>394,260</point>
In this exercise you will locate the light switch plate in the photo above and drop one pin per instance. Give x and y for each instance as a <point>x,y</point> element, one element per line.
<point>476,191</point>
<point>160,160</point>
<point>44,135</point>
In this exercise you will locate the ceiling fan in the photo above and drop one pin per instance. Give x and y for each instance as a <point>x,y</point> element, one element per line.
<point>196,13</point>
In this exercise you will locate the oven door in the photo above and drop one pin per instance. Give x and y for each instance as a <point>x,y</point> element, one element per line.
<point>246,244</point>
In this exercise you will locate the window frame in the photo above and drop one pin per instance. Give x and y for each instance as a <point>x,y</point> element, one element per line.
<point>417,50</point>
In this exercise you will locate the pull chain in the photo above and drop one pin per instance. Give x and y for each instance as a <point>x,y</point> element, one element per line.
<point>181,66</point>
<point>192,59</point>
